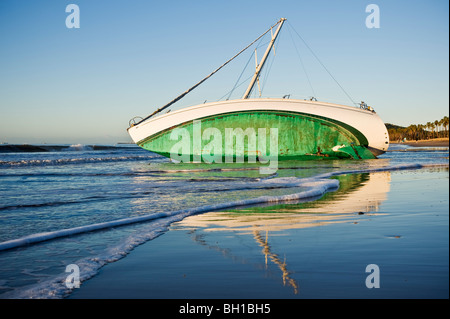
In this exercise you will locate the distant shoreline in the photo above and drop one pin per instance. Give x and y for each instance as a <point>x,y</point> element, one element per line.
<point>29,148</point>
<point>7,148</point>
<point>435,142</point>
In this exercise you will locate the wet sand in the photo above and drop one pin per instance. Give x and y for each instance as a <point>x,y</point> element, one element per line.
<point>397,221</point>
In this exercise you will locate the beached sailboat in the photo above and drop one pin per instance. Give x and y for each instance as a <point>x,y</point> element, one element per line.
<point>244,128</point>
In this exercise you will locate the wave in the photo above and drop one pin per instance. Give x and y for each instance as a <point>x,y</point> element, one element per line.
<point>79,148</point>
<point>38,205</point>
<point>421,149</point>
<point>316,187</point>
<point>89,267</point>
<point>65,161</point>
<point>55,287</point>
<point>28,148</point>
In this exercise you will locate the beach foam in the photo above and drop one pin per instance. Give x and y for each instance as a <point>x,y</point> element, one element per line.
<point>65,161</point>
<point>316,186</point>
<point>54,287</point>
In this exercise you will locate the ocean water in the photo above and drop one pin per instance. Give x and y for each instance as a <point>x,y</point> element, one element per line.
<point>92,205</point>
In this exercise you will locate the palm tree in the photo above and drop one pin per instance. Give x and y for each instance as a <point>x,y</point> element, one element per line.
<point>445,123</point>
<point>421,129</point>
<point>410,132</point>
<point>438,128</point>
<point>433,126</point>
<point>429,125</point>
<point>415,131</point>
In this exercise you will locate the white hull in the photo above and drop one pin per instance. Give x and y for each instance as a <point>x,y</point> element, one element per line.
<point>366,122</point>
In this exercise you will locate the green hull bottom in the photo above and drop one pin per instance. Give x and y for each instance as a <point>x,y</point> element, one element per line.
<point>251,136</point>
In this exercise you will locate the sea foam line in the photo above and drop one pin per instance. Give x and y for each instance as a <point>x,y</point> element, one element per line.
<point>318,188</point>
<point>317,185</point>
<point>89,266</point>
<point>64,161</point>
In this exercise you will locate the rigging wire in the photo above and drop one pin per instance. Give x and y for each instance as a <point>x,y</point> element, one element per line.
<point>211,74</point>
<point>266,74</point>
<point>245,67</point>
<point>243,81</point>
<point>236,84</point>
<point>317,58</point>
<point>301,62</point>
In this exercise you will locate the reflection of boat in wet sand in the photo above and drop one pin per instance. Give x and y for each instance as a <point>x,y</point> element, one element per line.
<point>358,195</point>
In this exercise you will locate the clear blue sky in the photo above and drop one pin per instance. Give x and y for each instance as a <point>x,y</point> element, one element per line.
<point>60,85</point>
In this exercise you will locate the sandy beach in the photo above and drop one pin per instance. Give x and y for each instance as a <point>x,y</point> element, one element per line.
<point>437,142</point>
<point>318,249</point>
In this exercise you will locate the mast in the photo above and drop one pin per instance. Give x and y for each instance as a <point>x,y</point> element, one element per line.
<point>192,88</point>
<point>263,60</point>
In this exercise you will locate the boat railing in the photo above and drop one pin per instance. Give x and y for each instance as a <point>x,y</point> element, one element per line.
<point>134,121</point>
<point>366,107</point>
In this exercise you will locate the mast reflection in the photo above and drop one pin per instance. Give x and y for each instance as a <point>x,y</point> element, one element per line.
<point>264,243</point>
<point>358,195</point>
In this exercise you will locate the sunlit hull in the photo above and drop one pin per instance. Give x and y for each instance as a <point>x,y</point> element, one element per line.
<point>304,130</point>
